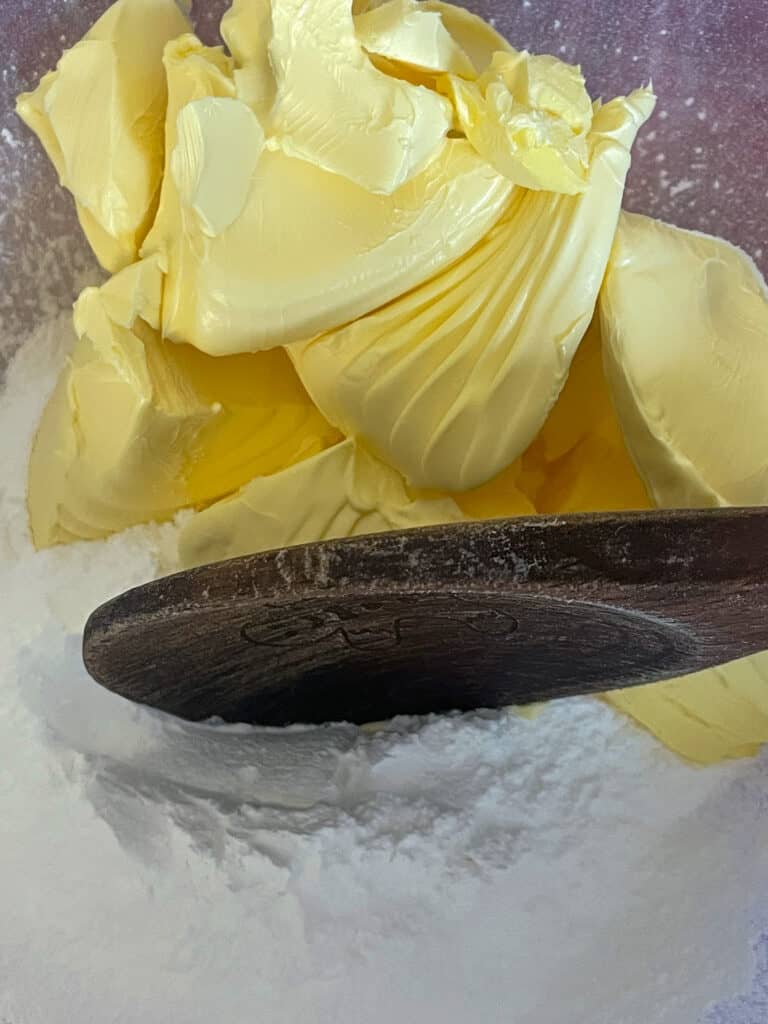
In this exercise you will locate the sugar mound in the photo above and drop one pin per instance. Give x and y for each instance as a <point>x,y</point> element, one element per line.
<point>481,867</point>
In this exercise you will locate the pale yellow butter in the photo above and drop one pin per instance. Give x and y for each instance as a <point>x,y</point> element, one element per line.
<point>192,71</point>
<point>335,109</point>
<point>407,32</point>
<point>451,382</point>
<point>100,116</point>
<point>685,320</point>
<point>137,428</point>
<point>310,250</point>
<point>529,116</point>
<point>476,37</point>
<point>342,492</point>
<point>579,462</point>
<point>706,717</point>
<point>246,28</point>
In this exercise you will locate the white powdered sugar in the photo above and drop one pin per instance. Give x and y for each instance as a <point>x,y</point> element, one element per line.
<point>486,867</point>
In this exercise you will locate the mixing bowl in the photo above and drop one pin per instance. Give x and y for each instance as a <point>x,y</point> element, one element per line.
<point>700,161</point>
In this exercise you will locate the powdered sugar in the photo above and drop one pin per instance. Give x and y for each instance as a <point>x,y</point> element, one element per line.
<point>485,866</point>
<point>481,867</point>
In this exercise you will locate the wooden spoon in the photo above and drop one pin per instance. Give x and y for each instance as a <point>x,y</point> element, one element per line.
<point>478,614</point>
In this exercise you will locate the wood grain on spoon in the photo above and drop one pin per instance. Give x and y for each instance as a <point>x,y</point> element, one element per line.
<point>477,614</point>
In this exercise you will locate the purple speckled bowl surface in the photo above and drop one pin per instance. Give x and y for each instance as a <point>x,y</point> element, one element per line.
<point>700,162</point>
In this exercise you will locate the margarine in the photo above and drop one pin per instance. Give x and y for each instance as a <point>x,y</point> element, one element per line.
<point>100,116</point>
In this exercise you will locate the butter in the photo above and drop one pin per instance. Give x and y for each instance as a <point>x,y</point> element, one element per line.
<point>192,71</point>
<point>406,32</point>
<point>478,40</point>
<point>321,249</point>
<point>579,462</point>
<point>309,250</point>
<point>137,428</point>
<point>452,381</point>
<point>705,717</point>
<point>685,319</point>
<point>504,495</point>
<point>246,28</point>
<point>207,125</point>
<point>331,106</point>
<point>342,492</point>
<point>100,116</point>
<point>529,116</point>
<point>334,109</point>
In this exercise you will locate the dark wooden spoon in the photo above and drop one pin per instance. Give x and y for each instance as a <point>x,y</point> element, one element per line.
<point>479,614</point>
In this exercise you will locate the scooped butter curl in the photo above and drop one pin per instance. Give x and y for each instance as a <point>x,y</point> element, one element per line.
<point>476,37</point>
<point>192,72</point>
<point>708,716</point>
<point>137,428</point>
<point>100,117</point>
<point>451,382</point>
<point>351,493</point>
<point>529,116</point>
<point>685,319</point>
<point>308,249</point>
<point>407,32</point>
<point>335,109</point>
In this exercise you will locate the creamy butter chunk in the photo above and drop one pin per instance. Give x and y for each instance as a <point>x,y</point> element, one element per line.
<point>529,116</point>
<point>309,249</point>
<point>100,115</point>
<point>579,462</point>
<point>451,382</point>
<point>476,37</point>
<point>335,109</point>
<point>708,716</point>
<point>407,32</point>
<point>685,322</point>
<point>342,492</point>
<point>200,160</point>
<point>246,28</point>
<point>304,69</point>
<point>192,71</point>
<point>138,428</point>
